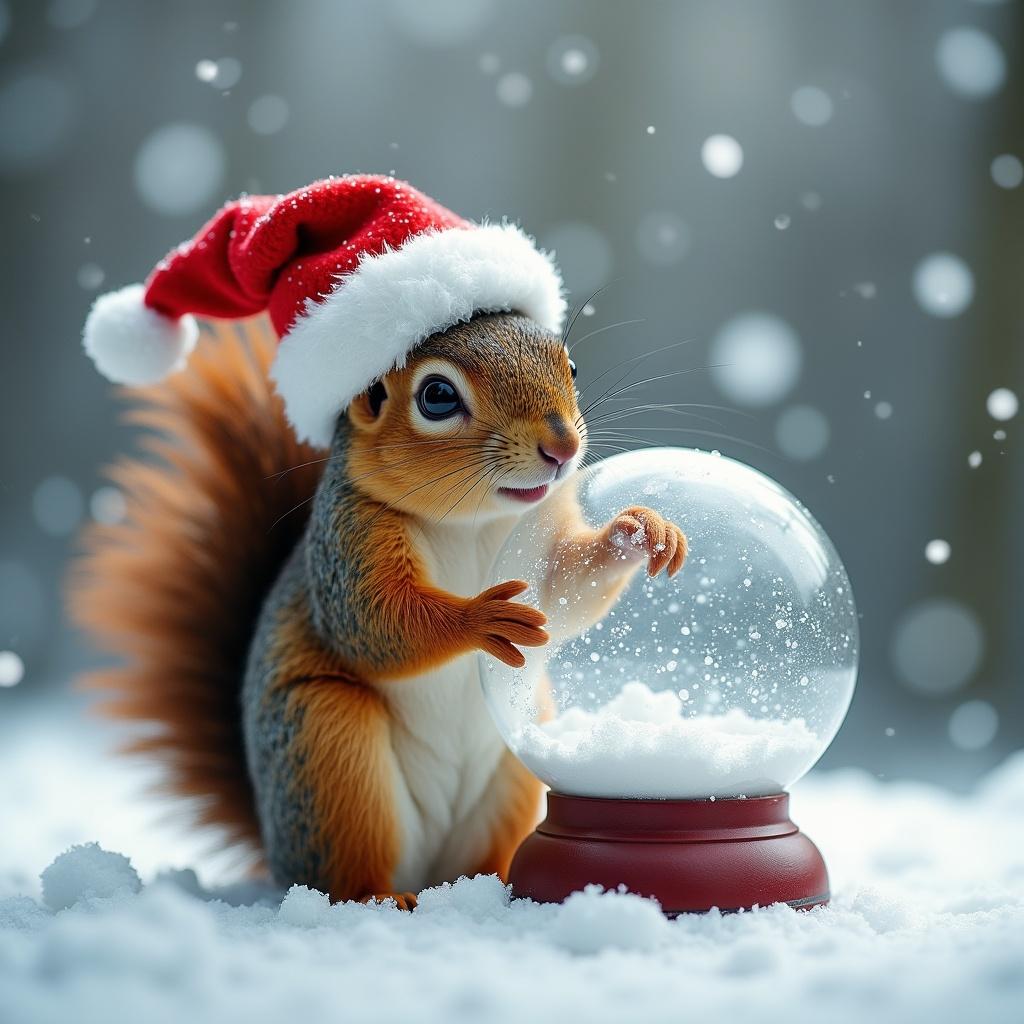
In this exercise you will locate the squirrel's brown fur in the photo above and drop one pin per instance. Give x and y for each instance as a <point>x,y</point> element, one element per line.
<point>209,522</point>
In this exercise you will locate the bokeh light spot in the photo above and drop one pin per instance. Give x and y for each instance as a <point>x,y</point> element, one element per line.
<point>802,432</point>
<point>1002,404</point>
<point>1007,171</point>
<point>57,506</point>
<point>756,359</point>
<point>228,73</point>
<point>937,646</point>
<point>107,505</point>
<point>811,106</point>
<point>12,669</point>
<point>179,169</point>
<point>943,285</point>
<point>514,89</point>
<point>970,62</point>
<point>572,60</point>
<point>90,276</point>
<point>662,238</point>
<point>267,115</point>
<point>722,156</point>
<point>35,119</point>
<point>973,725</point>
<point>584,255</point>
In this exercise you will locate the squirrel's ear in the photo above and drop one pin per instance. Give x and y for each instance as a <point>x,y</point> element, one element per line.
<point>376,395</point>
<point>365,408</point>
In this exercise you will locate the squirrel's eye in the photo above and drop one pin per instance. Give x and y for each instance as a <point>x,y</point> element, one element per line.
<point>572,369</point>
<point>438,399</point>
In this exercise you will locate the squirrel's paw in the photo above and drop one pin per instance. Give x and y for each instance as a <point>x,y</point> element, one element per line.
<point>496,624</point>
<point>644,532</point>
<point>403,900</point>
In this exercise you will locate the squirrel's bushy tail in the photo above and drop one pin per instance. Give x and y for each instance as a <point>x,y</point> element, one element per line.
<point>175,588</point>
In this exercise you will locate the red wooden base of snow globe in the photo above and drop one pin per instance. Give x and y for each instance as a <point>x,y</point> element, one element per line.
<point>690,855</point>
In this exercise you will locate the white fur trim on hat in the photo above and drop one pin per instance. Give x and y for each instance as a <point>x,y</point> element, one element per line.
<point>130,343</point>
<point>392,302</point>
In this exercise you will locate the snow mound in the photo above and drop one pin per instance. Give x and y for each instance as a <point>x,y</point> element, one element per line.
<point>484,898</point>
<point>640,742</point>
<point>87,872</point>
<point>304,908</point>
<point>593,920</point>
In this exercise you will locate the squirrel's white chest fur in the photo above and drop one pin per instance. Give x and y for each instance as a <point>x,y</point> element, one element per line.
<point>445,746</point>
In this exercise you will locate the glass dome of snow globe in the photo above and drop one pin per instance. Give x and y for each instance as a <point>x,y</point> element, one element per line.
<point>676,700</point>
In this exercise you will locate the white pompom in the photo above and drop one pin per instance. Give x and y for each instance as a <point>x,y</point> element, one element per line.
<point>133,344</point>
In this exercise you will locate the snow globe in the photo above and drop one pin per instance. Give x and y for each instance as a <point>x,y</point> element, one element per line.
<point>669,714</point>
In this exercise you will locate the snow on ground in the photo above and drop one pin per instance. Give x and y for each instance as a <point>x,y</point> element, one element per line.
<point>927,923</point>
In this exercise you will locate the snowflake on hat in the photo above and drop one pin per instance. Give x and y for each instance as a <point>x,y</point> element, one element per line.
<point>354,272</point>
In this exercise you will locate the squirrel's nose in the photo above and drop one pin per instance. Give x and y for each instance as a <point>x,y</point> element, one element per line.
<point>559,452</point>
<point>559,443</point>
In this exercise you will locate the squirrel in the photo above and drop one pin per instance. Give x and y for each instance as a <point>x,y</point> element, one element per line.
<point>299,599</point>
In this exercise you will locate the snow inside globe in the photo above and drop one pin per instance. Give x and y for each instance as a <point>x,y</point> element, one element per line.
<point>727,679</point>
<point>703,654</point>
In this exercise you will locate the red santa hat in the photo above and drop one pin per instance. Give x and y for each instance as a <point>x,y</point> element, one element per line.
<point>355,272</point>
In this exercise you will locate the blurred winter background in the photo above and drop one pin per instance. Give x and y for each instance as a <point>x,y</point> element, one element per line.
<point>824,197</point>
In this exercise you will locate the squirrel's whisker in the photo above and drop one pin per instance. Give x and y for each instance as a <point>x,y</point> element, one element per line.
<point>479,472</point>
<point>281,518</point>
<point>429,483</point>
<point>632,362</point>
<point>437,440</point>
<point>577,310</point>
<point>614,447</point>
<point>377,448</point>
<point>641,382</point>
<point>623,435</point>
<point>481,476</point>
<point>363,476</point>
<point>302,465</point>
<point>582,306</point>
<point>488,479</point>
<point>619,415</point>
<point>493,472</point>
<point>495,430</point>
<point>689,405</point>
<point>607,327</point>
<point>399,464</point>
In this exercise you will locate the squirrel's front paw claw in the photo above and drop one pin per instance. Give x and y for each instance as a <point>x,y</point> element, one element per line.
<point>498,624</point>
<point>675,563</point>
<point>644,531</point>
<point>402,900</point>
